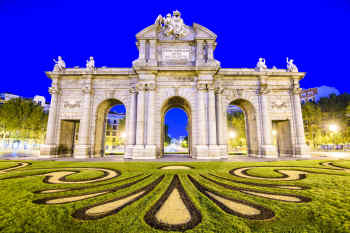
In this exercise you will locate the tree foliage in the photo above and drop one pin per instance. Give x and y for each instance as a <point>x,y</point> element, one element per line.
<point>319,116</point>
<point>236,124</point>
<point>22,119</point>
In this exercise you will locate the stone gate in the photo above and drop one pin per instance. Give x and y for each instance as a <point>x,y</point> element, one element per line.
<point>175,68</point>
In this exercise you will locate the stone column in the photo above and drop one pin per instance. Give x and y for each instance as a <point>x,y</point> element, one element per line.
<point>210,50</point>
<point>140,122</point>
<point>220,122</point>
<point>212,116</point>
<point>49,149</point>
<point>267,148</point>
<point>132,117</point>
<point>301,149</point>
<point>199,52</point>
<point>152,53</point>
<point>150,117</point>
<point>202,130</point>
<point>82,150</point>
<point>150,148</point>
<point>131,133</point>
<point>202,122</point>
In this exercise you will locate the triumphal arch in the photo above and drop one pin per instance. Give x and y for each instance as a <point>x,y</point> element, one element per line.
<point>176,67</point>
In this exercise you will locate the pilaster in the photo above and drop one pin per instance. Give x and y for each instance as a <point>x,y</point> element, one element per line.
<point>131,134</point>
<point>83,149</point>
<point>49,149</point>
<point>267,147</point>
<point>301,149</point>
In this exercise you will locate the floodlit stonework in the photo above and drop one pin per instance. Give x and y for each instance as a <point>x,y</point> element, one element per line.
<point>175,68</point>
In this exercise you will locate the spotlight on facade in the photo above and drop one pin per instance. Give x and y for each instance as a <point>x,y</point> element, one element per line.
<point>333,128</point>
<point>274,132</point>
<point>232,134</point>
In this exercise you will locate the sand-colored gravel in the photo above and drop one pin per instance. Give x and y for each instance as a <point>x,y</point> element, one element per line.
<point>73,198</point>
<point>175,168</point>
<point>235,206</point>
<point>53,190</point>
<point>107,207</point>
<point>56,176</point>
<point>173,211</point>
<point>274,196</point>
<point>21,164</point>
<point>330,164</point>
<point>291,175</point>
<point>290,187</point>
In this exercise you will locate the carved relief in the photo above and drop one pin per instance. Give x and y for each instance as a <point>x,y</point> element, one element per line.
<point>231,94</point>
<point>279,105</point>
<point>71,104</point>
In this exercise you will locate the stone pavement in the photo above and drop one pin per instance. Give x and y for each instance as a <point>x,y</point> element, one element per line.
<point>181,158</point>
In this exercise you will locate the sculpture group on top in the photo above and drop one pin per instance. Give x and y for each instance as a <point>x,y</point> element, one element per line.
<point>60,65</point>
<point>172,25</point>
<point>261,65</point>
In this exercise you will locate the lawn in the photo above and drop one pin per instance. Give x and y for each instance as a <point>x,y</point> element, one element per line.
<point>289,196</point>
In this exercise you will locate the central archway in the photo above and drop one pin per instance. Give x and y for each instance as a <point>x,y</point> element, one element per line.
<point>250,121</point>
<point>181,103</point>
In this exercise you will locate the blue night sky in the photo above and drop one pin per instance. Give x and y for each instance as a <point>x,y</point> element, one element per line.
<point>314,33</point>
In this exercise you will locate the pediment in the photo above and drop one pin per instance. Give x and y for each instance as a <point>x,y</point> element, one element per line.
<point>148,33</point>
<point>203,32</point>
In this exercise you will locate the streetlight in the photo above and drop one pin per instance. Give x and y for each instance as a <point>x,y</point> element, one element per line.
<point>123,135</point>
<point>333,128</point>
<point>274,132</point>
<point>232,134</point>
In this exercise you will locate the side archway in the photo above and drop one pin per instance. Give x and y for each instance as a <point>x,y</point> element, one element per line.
<point>101,124</point>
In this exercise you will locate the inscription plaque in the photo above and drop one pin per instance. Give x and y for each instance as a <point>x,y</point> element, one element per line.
<point>171,54</point>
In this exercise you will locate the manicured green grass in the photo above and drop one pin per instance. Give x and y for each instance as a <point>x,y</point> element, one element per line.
<point>6,164</point>
<point>329,210</point>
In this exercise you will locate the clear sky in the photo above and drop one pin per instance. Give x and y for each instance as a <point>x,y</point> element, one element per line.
<point>315,33</point>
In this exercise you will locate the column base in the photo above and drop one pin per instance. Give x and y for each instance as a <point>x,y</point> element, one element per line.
<point>208,152</point>
<point>81,151</point>
<point>302,151</point>
<point>48,151</point>
<point>144,152</point>
<point>269,151</point>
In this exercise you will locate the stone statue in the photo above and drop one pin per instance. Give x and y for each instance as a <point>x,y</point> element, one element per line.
<point>291,67</point>
<point>172,25</point>
<point>90,64</point>
<point>60,65</point>
<point>261,65</point>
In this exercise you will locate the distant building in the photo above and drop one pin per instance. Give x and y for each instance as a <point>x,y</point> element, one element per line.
<point>113,133</point>
<point>232,109</point>
<point>38,99</point>
<point>308,95</point>
<point>314,94</point>
<point>4,97</point>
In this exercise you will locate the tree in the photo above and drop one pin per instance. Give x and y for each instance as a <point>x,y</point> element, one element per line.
<point>236,123</point>
<point>23,119</point>
<point>167,139</point>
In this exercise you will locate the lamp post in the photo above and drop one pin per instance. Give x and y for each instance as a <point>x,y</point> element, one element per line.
<point>334,129</point>
<point>232,137</point>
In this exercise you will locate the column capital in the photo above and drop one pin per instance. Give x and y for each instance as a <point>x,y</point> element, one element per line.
<point>264,89</point>
<point>87,90</point>
<point>53,90</point>
<point>132,90</point>
<point>202,86</point>
<point>296,91</point>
